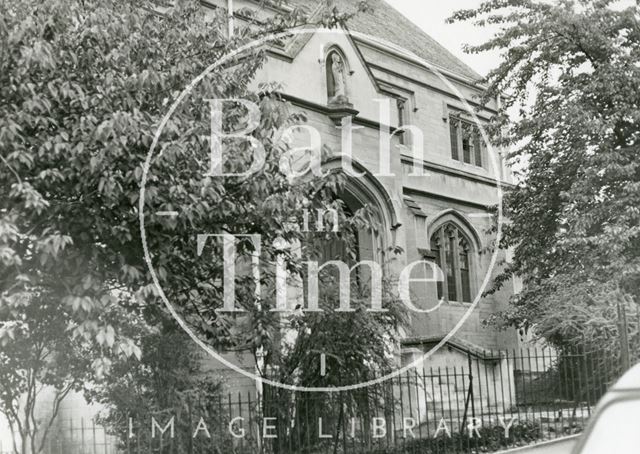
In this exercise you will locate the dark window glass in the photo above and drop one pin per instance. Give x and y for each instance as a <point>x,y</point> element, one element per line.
<point>452,254</point>
<point>477,148</point>
<point>466,149</point>
<point>401,118</point>
<point>449,253</point>
<point>435,248</point>
<point>467,143</point>
<point>466,135</point>
<point>453,129</point>
<point>464,270</point>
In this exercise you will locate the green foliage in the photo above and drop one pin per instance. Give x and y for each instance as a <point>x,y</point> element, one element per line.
<point>83,88</point>
<point>169,381</point>
<point>570,77</point>
<point>46,354</point>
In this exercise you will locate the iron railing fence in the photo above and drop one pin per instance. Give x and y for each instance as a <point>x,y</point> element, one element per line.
<point>495,401</point>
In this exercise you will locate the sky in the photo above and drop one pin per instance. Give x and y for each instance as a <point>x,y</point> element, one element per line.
<point>430,15</point>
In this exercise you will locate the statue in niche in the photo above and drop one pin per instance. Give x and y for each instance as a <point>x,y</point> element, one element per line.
<point>336,79</point>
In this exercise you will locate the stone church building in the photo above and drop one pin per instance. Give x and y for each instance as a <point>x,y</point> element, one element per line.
<point>385,75</point>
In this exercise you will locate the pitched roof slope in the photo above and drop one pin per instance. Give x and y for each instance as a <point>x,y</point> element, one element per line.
<point>387,23</point>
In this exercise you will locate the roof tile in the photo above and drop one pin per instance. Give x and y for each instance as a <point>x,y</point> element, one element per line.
<point>385,22</point>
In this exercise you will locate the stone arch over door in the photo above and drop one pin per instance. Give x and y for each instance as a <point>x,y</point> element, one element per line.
<point>368,191</point>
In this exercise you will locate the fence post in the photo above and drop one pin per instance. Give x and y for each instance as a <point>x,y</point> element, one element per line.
<point>129,430</point>
<point>624,337</point>
<point>190,417</point>
<point>104,438</point>
<point>93,431</point>
<point>469,396</point>
<point>82,433</point>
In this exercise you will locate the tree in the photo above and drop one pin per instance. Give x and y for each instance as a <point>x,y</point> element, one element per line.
<point>44,349</point>
<point>570,74</point>
<point>168,381</point>
<point>83,87</point>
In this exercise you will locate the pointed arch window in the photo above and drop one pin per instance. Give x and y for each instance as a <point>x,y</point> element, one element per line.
<point>452,251</point>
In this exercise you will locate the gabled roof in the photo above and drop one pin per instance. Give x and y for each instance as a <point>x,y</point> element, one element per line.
<point>385,22</point>
<point>461,345</point>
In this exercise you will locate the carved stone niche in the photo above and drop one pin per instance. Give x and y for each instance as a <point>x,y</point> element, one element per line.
<point>337,91</point>
<point>337,71</point>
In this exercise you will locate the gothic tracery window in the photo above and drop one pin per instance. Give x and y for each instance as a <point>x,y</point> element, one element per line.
<point>453,255</point>
<point>466,142</point>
